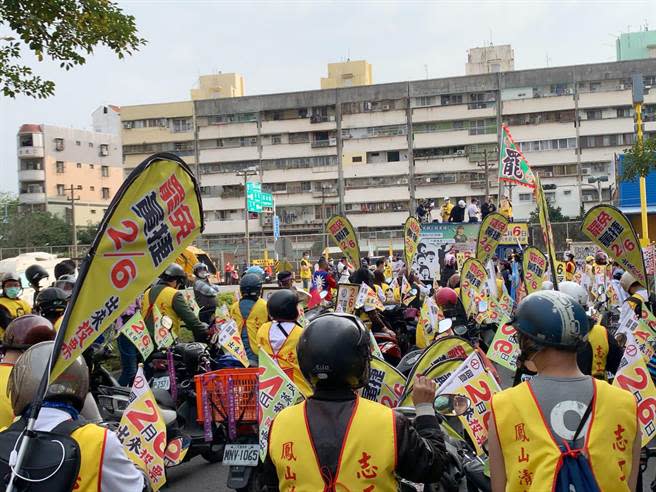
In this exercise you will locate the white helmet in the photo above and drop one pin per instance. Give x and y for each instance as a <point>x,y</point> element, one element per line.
<point>627,281</point>
<point>547,285</point>
<point>461,203</point>
<point>574,290</point>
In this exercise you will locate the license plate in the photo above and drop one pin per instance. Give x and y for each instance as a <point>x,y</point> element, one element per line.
<point>163,383</point>
<point>241,454</point>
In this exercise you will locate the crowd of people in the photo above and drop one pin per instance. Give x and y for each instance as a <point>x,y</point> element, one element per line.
<point>460,211</point>
<point>567,355</point>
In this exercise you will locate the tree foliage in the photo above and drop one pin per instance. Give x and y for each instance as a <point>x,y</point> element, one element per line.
<point>639,159</point>
<point>64,31</point>
<point>22,228</point>
<point>555,214</point>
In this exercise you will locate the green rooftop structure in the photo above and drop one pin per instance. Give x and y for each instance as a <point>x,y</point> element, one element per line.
<point>636,45</point>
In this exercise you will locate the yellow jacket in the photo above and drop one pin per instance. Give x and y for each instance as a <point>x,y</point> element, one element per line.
<point>256,318</point>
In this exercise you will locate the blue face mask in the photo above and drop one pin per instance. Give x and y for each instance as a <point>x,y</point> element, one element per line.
<point>12,292</point>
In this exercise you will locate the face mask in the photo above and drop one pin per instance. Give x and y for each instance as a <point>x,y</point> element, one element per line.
<point>12,292</point>
<point>203,274</point>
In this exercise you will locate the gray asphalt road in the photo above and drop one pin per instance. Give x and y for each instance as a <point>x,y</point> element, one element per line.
<point>197,475</point>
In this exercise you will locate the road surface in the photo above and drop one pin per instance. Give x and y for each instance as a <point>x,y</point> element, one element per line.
<point>197,475</point>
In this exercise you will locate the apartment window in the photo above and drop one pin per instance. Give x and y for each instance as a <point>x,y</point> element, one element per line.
<point>356,158</point>
<point>298,138</point>
<point>91,145</point>
<point>59,165</point>
<point>104,149</point>
<point>567,192</point>
<point>31,165</point>
<point>525,197</point>
<point>306,186</point>
<point>78,143</point>
<point>60,190</point>
<point>92,188</point>
<point>276,139</point>
<point>90,166</point>
<point>594,114</point>
<point>104,170</point>
<point>105,193</point>
<point>595,86</point>
<point>393,156</point>
<point>181,125</point>
<point>93,210</point>
<point>425,101</point>
<point>59,144</point>
<point>25,140</point>
<point>625,112</point>
<point>79,165</point>
<point>550,196</point>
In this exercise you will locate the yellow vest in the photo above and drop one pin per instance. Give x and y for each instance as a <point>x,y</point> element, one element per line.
<point>164,303</point>
<point>256,318</point>
<point>598,338</point>
<point>306,271</point>
<point>15,308</point>
<point>367,460</point>
<point>286,356</point>
<point>531,456</point>
<point>58,323</point>
<point>91,439</point>
<point>445,210</point>
<point>6,410</point>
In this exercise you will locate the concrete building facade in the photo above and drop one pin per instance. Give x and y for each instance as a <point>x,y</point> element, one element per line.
<point>52,159</point>
<point>218,85</point>
<point>347,74</point>
<point>490,59</point>
<point>372,151</point>
<point>636,45</point>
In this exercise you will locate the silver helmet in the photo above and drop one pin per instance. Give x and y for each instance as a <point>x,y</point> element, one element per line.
<point>71,386</point>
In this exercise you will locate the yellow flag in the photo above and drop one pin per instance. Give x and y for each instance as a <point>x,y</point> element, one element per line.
<point>143,431</point>
<point>136,331</point>
<point>411,230</point>
<point>230,339</point>
<point>609,229</point>
<point>493,228</point>
<point>633,376</point>
<point>472,285</point>
<point>342,232</point>
<point>534,266</point>
<point>386,385</point>
<point>547,233</point>
<point>154,216</point>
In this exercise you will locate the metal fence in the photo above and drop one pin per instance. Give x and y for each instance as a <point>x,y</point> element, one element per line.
<point>233,250</point>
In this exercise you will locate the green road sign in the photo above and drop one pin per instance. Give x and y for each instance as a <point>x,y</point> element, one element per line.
<point>257,201</point>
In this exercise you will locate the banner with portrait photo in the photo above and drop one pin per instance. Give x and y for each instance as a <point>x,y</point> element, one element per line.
<point>344,235</point>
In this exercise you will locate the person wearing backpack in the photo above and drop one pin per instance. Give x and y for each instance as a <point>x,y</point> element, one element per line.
<point>103,464</point>
<point>279,337</point>
<point>561,425</point>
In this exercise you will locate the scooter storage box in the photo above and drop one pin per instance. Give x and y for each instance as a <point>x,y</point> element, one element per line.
<point>227,391</point>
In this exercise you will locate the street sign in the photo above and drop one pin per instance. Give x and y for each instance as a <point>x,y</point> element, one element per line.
<point>257,201</point>
<point>276,227</point>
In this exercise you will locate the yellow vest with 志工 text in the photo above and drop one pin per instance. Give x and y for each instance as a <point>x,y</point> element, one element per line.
<point>532,457</point>
<point>598,338</point>
<point>367,460</point>
<point>286,356</point>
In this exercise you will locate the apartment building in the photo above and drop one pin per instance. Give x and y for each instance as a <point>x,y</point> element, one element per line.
<point>490,59</point>
<point>370,151</point>
<point>347,74</point>
<point>168,127</point>
<point>51,159</point>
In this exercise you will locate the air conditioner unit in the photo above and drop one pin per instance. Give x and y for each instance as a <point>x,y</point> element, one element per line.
<point>332,141</point>
<point>585,171</point>
<point>385,107</point>
<point>460,152</point>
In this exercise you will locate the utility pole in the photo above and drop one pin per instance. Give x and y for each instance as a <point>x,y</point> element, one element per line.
<point>411,155</point>
<point>323,216</point>
<point>487,181</point>
<point>577,126</point>
<point>71,189</point>
<point>246,173</point>
<point>638,96</point>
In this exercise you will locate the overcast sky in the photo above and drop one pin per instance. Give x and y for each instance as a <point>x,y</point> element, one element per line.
<point>285,46</point>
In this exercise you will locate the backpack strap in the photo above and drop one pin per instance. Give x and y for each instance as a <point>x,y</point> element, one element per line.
<point>584,419</point>
<point>67,427</point>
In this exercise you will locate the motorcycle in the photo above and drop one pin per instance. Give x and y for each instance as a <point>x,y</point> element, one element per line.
<point>464,471</point>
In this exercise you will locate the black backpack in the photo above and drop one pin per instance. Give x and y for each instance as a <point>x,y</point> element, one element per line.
<point>53,462</point>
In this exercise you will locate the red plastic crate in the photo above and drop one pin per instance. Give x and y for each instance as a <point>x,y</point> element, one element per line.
<point>216,385</point>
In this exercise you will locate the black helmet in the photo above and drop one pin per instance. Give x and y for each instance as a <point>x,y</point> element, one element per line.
<point>334,351</point>
<point>35,273</point>
<point>283,305</point>
<point>51,302</point>
<point>250,285</point>
<point>174,272</point>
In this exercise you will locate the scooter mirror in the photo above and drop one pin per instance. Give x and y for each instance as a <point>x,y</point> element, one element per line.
<point>460,330</point>
<point>482,306</point>
<point>444,325</point>
<point>323,294</point>
<point>451,405</point>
